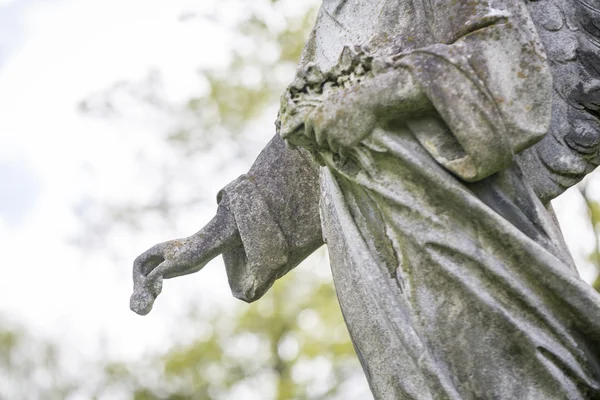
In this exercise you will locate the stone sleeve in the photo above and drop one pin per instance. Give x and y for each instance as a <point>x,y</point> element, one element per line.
<point>489,81</point>
<point>276,210</point>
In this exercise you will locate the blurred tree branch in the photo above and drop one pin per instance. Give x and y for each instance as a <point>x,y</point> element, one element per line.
<point>593,207</point>
<point>266,45</point>
<point>291,344</point>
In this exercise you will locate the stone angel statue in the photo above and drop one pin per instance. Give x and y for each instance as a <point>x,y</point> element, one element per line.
<point>425,140</point>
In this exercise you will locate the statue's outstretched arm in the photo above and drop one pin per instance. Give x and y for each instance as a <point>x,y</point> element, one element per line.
<point>181,257</point>
<point>267,223</point>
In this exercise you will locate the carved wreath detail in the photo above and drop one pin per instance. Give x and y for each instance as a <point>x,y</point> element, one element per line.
<point>312,86</point>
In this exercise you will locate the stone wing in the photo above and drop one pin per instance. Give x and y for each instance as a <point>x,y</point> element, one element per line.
<point>570,32</point>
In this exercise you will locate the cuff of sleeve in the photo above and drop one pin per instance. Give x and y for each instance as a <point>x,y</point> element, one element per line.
<point>251,270</point>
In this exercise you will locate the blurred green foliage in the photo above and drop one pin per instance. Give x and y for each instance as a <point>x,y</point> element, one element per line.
<point>293,343</point>
<point>30,368</point>
<point>265,47</point>
<point>593,207</point>
<point>264,56</point>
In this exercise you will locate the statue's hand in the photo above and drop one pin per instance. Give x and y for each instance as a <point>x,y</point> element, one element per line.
<point>181,257</point>
<point>340,122</point>
<point>168,259</point>
<point>347,116</point>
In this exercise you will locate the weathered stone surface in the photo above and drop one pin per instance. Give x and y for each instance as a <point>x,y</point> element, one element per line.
<point>570,149</point>
<point>433,135</point>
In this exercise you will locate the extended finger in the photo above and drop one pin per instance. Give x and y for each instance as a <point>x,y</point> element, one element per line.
<point>160,271</point>
<point>315,120</point>
<point>320,137</point>
<point>333,144</point>
<point>309,128</point>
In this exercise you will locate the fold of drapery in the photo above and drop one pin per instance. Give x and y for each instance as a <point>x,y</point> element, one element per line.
<point>275,207</point>
<point>472,307</point>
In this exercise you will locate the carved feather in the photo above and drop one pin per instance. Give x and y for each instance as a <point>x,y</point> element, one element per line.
<point>570,33</point>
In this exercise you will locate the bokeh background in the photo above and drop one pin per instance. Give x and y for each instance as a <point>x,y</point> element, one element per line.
<point>119,122</point>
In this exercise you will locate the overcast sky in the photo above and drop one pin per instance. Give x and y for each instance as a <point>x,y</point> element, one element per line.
<point>52,55</point>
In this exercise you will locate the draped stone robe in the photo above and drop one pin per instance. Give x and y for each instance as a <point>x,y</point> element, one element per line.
<point>451,274</point>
